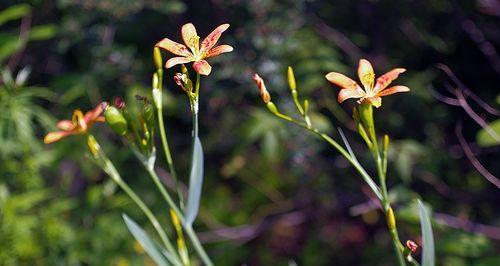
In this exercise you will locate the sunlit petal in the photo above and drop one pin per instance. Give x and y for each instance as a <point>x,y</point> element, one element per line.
<point>190,37</point>
<point>341,80</point>
<point>224,48</point>
<point>202,67</point>
<point>65,125</point>
<point>213,37</point>
<point>173,47</point>
<point>386,79</point>
<point>366,74</point>
<point>56,135</point>
<point>345,94</point>
<point>177,60</point>
<point>92,115</point>
<point>392,90</point>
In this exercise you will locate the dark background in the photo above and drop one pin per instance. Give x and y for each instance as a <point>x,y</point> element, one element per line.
<point>273,193</point>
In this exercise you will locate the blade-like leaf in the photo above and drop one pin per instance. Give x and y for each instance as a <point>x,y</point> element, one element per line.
<point>195,183</point>
<point>427,236</point>
<point>14,12</point>
<point>146,242</point>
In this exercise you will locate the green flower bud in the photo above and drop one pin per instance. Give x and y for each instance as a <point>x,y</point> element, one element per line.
<point>156,81</point>
<point>116,121</point>
<point>391,219</point>
<point>272,108</point>
<point>157,98</point>
<point>157,58</point>
<point>291,79</point>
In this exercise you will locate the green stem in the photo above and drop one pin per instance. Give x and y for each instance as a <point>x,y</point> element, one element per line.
<point>110,169</point>
<point>164,142</point>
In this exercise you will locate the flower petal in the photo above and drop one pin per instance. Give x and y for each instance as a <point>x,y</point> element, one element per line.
<point>202,67</point>
<point>173,47</point>
<point>56,135</point>
<point>65,125</point>
<point>392,90</point>
<point>224,48</point>
<point>213,37</point>
<point>345,94</point>
<point>386,79</point>
<point>341,80</point>
<point>374,101</point>
<point>366,74</point>
<point>177,60</point>
<point>190,37</point>
<point>92,115</point>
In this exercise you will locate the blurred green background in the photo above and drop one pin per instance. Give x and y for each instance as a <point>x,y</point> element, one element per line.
<point>272,193</point>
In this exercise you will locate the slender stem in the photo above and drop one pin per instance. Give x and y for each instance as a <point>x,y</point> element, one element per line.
<point>110,169</point>
<point>188,229</point>
<point>164,143</point>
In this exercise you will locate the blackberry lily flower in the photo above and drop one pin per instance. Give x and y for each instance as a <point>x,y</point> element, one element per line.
<point>197,52</point>
<point>372,91</point>
<point>79,124</point>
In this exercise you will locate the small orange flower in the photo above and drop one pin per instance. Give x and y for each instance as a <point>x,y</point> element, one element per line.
<point>264,94</point>
<point>196,52</point>
<point>79,124</point>
<point>373,91</point>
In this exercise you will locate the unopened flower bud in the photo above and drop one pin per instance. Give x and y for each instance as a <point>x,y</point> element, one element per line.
<point>386,143</point>
<point>157,98</point>
<point>119,103</point>
<point>93,145</point>
<point>412,246</point>
<point>291,79</point>
<point>272,108</point>
<point>116,121</point>
<point>391,219</point>
<point>264,94</point>
<point>184,69</point>
<point>156,81</point>
<point>157,58</point>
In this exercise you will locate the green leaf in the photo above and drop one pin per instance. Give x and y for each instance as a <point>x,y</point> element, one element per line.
<point>427,236</point>
<point>195,183</point>
<point>14,12</point>
<point>146,242</point>
<point>484,139</point>
<point>42,32</point>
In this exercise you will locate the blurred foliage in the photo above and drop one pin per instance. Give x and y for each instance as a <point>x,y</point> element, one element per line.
<point>277,193</point>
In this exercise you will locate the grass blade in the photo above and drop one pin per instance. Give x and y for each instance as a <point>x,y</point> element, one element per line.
<point>195,183</point>
<point>145,241</point>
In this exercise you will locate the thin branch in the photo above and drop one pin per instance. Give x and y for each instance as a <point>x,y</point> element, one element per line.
<point>468,152</point>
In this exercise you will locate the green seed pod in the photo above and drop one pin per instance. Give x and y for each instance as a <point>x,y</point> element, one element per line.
<point>157,58</point>
<point>116,121</point>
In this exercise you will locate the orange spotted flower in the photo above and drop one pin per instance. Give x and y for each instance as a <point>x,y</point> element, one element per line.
<point>79,124</point>
<point>372,91</point>
<point>196,53</point>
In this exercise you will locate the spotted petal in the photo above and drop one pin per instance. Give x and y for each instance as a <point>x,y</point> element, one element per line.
<point>392,90</point>
<point>56,135</point>
<point>366,74</point>
<point>202,67</point>
<point>224,48</point>
<point>386,79</point>
<point>177,60</point>
<point>345,94</point>
<point>173,47</point>
<point>213,37</point>
<point>65,125</point>
<point>190,37</point>
<point>341,80</point>
<point>374,101</point>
